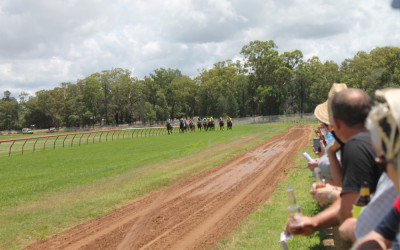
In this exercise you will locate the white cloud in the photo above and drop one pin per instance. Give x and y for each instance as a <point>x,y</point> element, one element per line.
<point>151,49</point>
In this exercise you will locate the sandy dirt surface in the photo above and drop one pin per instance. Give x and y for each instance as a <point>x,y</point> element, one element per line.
<point>195,213</point>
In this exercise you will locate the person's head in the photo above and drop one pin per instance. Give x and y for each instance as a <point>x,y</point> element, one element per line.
<point>384,124</point>
<point>322,110</point>
<point>348,112</point>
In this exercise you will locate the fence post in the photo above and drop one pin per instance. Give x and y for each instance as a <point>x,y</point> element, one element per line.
<point>44,145</point>
<point>54,146</point>
<point>23,146</point>
<point>34,145</point>
<point>80,139</point>
<point>64,139</point>
<point>72,141</point>
<point>100,136</point>
<point>87,139</point>
<point>9,152</point>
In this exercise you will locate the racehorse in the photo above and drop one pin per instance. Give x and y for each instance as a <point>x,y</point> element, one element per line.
<point>192,126</point>
<point>199,125</point>
<point>205,125</point>
<point>182,126</point>
<point>211,125</point>
<point>229,124</point>
<point>169,128</point>
<point>221,125</point>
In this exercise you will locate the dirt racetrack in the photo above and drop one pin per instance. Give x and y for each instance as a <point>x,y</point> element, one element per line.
<point>195,213</point>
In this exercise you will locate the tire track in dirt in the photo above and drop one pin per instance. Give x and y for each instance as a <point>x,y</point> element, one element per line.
<point>195,213</point>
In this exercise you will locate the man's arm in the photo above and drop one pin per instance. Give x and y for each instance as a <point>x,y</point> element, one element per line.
<point>308,225</point>
<point>334,164</point>
<point>346,229</point>
<point>372,240</point>
<point>346,206</point>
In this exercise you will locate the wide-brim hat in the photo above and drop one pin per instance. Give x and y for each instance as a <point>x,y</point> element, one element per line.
<point>392,98</point>
<point>387,120</point>
<point>322,110</point>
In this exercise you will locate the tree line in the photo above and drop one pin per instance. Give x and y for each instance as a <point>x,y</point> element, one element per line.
<point>263,83</point>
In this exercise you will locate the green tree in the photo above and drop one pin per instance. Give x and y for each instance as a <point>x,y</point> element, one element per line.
<point>8,112</point>
<point>242,93</point>
<point>232,105</point>
<point>149,113</point>
<point>122,99</point>
<point>183,97</point>
<point>51,103</point>
<point>268,76</point>
<point>222,106</point>
<point>322,77</point>
<point>161,106</point>
<point>214,83</point>
<point>299,91</point>
<point>90,89</point>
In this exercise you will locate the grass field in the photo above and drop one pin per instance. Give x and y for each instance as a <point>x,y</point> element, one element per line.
<point>262,228</point>
<point>43,193</point>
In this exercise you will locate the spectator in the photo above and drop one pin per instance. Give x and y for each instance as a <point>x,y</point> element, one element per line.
<point>322,114</point>
<point>355,228</point>
<point>384,123</point>
<point>348,111</point>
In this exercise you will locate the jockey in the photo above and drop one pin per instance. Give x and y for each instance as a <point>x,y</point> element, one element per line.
<point>169,121</point>
<point>211,118</point>
<point>199,119</point>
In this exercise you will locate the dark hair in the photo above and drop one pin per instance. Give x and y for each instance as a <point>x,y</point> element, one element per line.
<point>351,106</point>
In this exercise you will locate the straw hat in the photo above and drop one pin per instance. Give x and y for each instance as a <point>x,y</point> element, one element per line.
<point>322,110</point>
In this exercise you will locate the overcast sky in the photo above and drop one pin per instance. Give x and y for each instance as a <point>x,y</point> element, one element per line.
<point>46,42</point>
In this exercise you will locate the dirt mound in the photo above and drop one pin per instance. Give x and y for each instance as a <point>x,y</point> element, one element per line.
<point>195,213</point>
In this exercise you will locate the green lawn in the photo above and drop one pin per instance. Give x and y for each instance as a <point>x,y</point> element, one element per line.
<point>45,192</point>
<point>262,228</point>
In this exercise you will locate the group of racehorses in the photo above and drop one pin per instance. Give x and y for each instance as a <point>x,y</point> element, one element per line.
<point>185,125</point>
